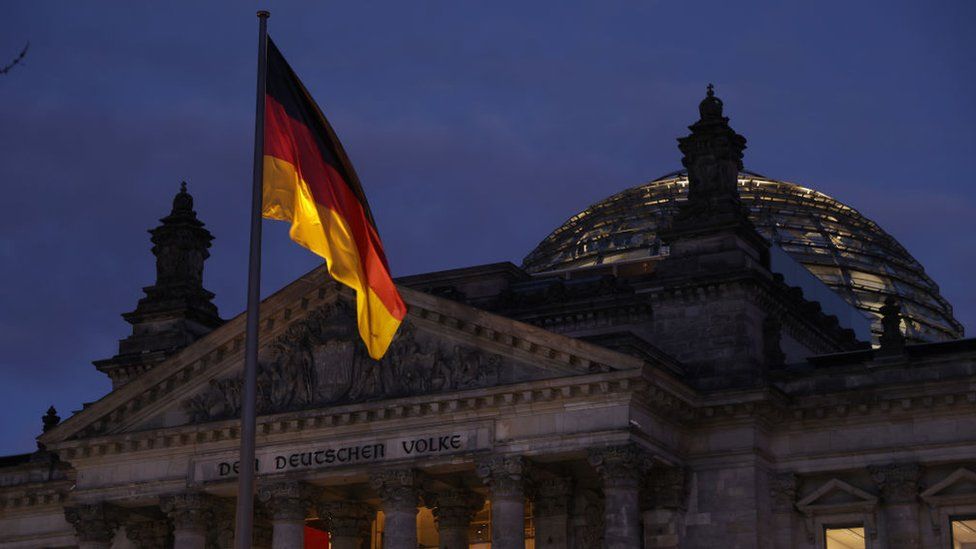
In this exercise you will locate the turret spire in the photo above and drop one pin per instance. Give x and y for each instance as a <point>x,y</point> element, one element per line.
<point>177,309</point>
<point>713,158</point>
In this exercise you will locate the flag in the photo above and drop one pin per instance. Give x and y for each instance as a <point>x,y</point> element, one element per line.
<point>309,181</point>
<point>316,539</point>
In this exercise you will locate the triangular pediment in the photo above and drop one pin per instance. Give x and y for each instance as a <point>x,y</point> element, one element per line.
<point>311,357</point>
<point>960,484</point>
<point>836,493</point>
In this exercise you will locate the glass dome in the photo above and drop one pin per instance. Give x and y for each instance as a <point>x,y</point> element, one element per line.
<point>847,251</point>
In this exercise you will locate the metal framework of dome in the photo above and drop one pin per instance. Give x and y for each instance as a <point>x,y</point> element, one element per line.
<point>848,252</point>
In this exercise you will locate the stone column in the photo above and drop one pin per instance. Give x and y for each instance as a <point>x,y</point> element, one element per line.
<point>782,490</point>
<point>263,533</point>
<point>898,484</point>
<point>150,534</point>
<point>621,469</point>
<point>551,512</point>
<point>664,506</point>
<point>586,519</point>
<point>192,515</point>
<point>95,524</point>
<point>348,523</point>
<point>398,490</point>
<point>505,477</point>
<point>288,503</point>
<point>220,530</point>
<point>453,511</point>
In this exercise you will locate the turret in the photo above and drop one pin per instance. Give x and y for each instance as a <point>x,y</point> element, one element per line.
<point>712,232</point>
<point>176,310</point>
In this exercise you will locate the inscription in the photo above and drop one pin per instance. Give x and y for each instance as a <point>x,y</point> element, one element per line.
<point>289,459</point>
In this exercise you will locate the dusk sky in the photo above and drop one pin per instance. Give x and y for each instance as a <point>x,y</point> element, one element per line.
<point>476,129</point>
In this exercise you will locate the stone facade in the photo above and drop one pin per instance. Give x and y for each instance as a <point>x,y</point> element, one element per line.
<point>702,403</point>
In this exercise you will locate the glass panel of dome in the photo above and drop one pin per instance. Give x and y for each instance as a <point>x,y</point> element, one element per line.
<point>829,275</point>
<point>869,281</point>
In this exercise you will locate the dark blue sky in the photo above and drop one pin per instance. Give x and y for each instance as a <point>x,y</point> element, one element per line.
<point>476,127</point>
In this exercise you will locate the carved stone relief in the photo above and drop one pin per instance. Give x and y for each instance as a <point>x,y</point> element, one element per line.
<point>321,361</point>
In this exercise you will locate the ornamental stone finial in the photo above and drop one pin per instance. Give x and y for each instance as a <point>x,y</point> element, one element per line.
<point>712,154</point>
<point>892,340</point>
<point>183,203</point>
<point>51,419</point>
<point>711,106</point>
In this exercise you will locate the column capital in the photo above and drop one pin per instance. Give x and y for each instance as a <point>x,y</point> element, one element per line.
<point>150,534</point>
<point>898,482</point>
<point>347,518</point>
<point>505,475</point>
<point>665,488</point>
<point>398,488</point>
<point>455,508</point>
<point>552,496</point>
<point>189,510</point>
<point>782,488</point>
<point>620,466</point>
<point>289,500</point>
<point>95,522</point>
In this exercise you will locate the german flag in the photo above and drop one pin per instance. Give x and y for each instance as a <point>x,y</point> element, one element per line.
<point>309,181</point>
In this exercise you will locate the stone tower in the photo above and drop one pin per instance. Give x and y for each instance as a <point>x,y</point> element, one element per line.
<point>716,251</point>
<point>176,310</point>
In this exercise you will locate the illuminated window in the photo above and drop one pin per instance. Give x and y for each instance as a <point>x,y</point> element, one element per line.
<point>844,537</point>
<point>964,533</point>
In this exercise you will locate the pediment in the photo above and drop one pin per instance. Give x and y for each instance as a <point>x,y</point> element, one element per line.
<point>836,494</point>
<point>310,356</point>
<point>320,361</point>
<point>961,484</point>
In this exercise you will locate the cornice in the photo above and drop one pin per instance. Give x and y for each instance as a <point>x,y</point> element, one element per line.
<point>779,410</point>
<point>34,494</point>
<point>369,415</point>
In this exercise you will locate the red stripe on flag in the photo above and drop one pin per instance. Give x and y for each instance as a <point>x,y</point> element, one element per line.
<point>316,539</point>
<point>293,142</point>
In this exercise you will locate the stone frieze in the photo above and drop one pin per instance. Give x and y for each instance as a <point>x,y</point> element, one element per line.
<point>321,361</point>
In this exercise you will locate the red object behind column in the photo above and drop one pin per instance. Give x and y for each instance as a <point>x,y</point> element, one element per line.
<point>316,539</point>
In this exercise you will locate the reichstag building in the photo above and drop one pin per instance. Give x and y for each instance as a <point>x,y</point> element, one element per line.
<point>713,359</point>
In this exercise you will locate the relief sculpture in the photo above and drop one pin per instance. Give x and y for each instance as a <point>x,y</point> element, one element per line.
<point>321,361</point>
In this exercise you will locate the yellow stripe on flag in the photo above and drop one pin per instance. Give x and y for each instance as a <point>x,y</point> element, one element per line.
<point>288,198</point>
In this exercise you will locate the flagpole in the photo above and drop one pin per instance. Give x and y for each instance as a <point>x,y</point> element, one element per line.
<point>245,484</point>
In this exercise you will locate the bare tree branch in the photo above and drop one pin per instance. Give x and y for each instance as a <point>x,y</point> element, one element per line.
<point>16,60</point>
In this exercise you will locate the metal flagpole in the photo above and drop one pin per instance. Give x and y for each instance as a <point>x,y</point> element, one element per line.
<point>245,484</point>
